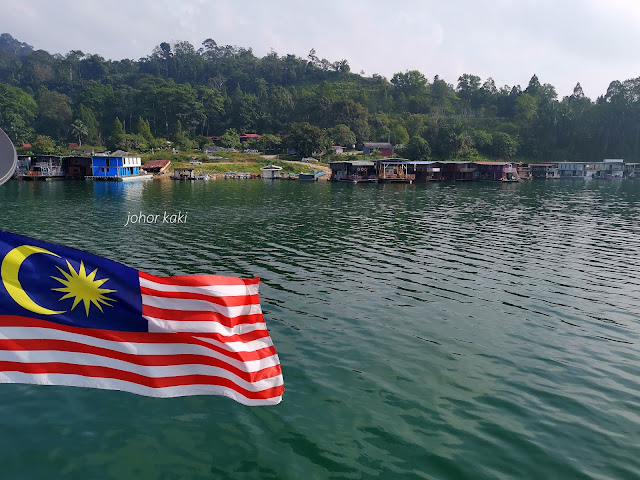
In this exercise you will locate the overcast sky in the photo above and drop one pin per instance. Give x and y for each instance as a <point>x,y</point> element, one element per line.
<point>562,41</point>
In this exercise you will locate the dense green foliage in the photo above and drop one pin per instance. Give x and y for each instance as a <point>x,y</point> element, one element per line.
<point>185,95</point>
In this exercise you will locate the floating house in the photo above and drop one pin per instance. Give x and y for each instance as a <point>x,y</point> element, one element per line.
<point>385,149</point>
<point>23,166</point>
<point>394,170</point>
<point>184,174</point>
<point>458,171</point>
<point>358,171</point>
<point>544,170</point>
<point>495,171</point>
<point>426,171</point>
<point>632,170</point>
<point>524,171</point>
<point>271,171</point>
<point>572,169</point>
<point>118,166</point>
<point>77,166</point>
<point>157,166</point>
<point>44,167</point>
<point>612,168</point>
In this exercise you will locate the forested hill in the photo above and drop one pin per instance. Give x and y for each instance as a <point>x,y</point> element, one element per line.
<point>184,94</point>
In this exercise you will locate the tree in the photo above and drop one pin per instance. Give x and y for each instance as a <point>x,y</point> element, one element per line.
<point>17,112</point>
<point>525,107</point>
<point>43,145</point>
<point>117,135</point>
<point>342,135</point>
<point>503,145</point>
<point>78,130</point>
<point>268,142</point>
<point>399,134</point>
<point>306,138</point>
<point>482,141</point>
<point>417,149</point>
<point>180,139</point>
<point>54,113</point>
<point>88,119</point>
<point>144,130</point>
<point>354,115</point>
<point>230,139</point>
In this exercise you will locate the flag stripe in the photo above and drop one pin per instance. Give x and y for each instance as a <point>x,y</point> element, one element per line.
<point>241,290</point>
<point>71,380</point>
<point>253,382</point>
<point>200,280</point>
<point>31,348</point>
<point>200,316</point>
<point>200,326</point>
<point>100,373</point>
<point>199,306</point>
<point>228,301</point>
<point>248,361</point>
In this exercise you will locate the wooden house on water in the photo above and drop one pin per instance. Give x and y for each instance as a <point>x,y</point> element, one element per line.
<point>458,171</point>
<point>77,167</point>
<point>524,171</point>
<point>496,171</point>
<point>184,174</point>
<point>357,171</point>
<point>394,170</point>
<point>545,170</point>
<point>426,171</point>
<point>44,168</point>
<point>23,166</point>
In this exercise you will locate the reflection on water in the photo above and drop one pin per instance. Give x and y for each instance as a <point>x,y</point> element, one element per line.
<point>432,331</point>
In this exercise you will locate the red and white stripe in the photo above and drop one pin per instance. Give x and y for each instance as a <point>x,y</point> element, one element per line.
<point>207,336</point>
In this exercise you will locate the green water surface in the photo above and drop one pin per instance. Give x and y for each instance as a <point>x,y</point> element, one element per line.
<point>439,331</point>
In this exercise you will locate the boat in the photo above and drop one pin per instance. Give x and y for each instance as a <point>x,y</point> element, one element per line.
<point>311,177</point>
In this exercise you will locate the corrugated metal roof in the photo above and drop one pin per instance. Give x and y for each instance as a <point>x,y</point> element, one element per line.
<point>360,163</point>
<point>377,145</point>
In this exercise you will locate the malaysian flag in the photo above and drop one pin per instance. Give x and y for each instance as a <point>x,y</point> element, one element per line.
<point>68,317</point>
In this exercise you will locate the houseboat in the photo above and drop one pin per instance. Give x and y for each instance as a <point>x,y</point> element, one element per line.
<point>23,166</point>
<point>271,172</point>
<point>314,176</point>
<point>183,174</point>
<point>117,166</point>
<point>496,171</point>
<point>458,171</point>
<point>426,171</point>
<point>358,171</point>
<point>44,168</point>
<point>77,167</point>
<point>545,170</point>
<point>394,170</point>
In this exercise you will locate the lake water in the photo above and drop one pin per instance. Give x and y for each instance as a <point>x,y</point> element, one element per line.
<point>440,331</point>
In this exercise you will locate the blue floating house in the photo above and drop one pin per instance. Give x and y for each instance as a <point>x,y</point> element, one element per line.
<point>115,166</point>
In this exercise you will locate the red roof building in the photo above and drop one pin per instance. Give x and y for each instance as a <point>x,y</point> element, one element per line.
<point>249,136</point>
<point>157,166</point>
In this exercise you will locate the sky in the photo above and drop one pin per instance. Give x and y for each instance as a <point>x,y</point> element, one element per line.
<point>563,42</point>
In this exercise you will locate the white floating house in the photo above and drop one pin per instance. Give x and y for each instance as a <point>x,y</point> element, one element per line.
<point>271,171</point>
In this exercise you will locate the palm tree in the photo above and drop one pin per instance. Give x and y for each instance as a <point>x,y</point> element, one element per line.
<point>79,129</point>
